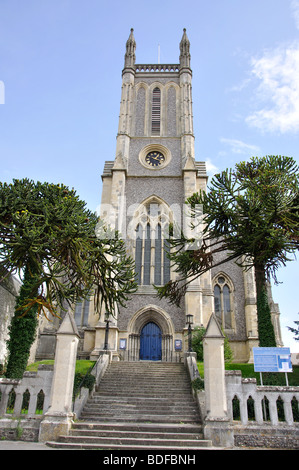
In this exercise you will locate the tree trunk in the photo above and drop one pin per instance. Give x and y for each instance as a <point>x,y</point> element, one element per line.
<point>265,327</point>
<point>22,329</point>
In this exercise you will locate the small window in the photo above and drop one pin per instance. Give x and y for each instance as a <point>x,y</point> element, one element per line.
<point>226,307</point>
<point>223,301</point>
<point>217,303</point>
<point>81,313</point>
<point>78,313</point>
<point>156,111</point>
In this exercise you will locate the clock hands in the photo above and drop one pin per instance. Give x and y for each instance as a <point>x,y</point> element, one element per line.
<point>155,158</point>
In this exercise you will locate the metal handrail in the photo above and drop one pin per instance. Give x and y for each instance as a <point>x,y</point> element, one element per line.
<point>81,383</point>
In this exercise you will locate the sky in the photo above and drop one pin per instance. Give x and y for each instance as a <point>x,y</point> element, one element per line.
<point>60,88</point>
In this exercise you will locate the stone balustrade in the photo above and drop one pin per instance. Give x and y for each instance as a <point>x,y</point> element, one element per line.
<point>248,402</point>
<point>150,68</point>
<point>28,396</point>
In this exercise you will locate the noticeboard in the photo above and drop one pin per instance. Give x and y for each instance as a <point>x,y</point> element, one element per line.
<point>178,345</point>
<point>272,360</point>
<point>122,343</point>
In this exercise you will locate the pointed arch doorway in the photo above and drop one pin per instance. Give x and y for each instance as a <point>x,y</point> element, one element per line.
<point>151,342</point>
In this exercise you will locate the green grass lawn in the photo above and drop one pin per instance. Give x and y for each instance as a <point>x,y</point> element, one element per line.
<point>34,366</point>
<point>269,379</point>
<point>82,365</point>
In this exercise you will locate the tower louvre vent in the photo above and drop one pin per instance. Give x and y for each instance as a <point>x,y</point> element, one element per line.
<point>156,111</point>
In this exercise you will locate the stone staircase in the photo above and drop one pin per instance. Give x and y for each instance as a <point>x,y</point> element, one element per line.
<point>139,405</point>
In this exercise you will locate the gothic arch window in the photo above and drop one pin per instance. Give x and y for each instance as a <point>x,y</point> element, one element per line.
<point>40,400</point>
<point>223,301</point>
<point>25,402</point>
<point>236,408</point>
<point>81,313</point>
<point>151,247</point>
<point>156,111</point>
<point>11,401</point>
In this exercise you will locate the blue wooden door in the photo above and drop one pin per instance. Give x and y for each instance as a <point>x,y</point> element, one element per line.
<point>151,343</point>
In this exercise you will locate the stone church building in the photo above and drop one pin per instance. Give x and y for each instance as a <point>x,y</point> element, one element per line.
<point>144,189</point>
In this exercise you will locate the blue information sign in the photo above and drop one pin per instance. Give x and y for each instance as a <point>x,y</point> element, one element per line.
<point>272,360</point>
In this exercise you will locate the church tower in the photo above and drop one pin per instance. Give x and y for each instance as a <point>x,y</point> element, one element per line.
<point>144,190</point>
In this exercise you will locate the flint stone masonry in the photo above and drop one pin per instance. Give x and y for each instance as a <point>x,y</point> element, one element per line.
<point>174,168</point>
<point>139,301</point>
<point>22,429</point>
<point>267,437</point>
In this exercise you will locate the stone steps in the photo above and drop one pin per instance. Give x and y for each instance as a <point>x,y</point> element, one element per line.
<point>146,436</point>
<point>139,406</point>
<point>133,418</point>
<point>142,406</point>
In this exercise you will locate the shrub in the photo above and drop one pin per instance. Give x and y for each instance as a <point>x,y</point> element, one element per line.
<point>198,384</point>
<point>197,345</point>
<point>82,380</point>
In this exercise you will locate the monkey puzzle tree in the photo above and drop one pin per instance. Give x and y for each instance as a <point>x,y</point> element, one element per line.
<point>49,237</point>
<point>295,331</point>
<point>250,213</point>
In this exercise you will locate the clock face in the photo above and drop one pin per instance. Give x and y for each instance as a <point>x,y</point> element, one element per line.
<point>155,158</point>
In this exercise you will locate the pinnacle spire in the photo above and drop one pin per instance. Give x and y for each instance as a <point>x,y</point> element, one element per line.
<point>185,50</point>
<point>130,50</point>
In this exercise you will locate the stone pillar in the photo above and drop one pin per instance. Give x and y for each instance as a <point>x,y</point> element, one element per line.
<point>100,340</point>
<point>57,420</point>
<point>250,312</point>
<point>217,426</point>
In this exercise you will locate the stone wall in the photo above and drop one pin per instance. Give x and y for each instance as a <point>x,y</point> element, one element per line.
<point>269,437</point>
<point>8,291</point>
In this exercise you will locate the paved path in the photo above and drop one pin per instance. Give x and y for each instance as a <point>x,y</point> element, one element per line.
<point>21,445</point>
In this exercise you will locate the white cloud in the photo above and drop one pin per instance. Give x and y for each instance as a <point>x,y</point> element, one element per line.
<point>211,168</point>
<point>239,147</point>
<point>278,91</point>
